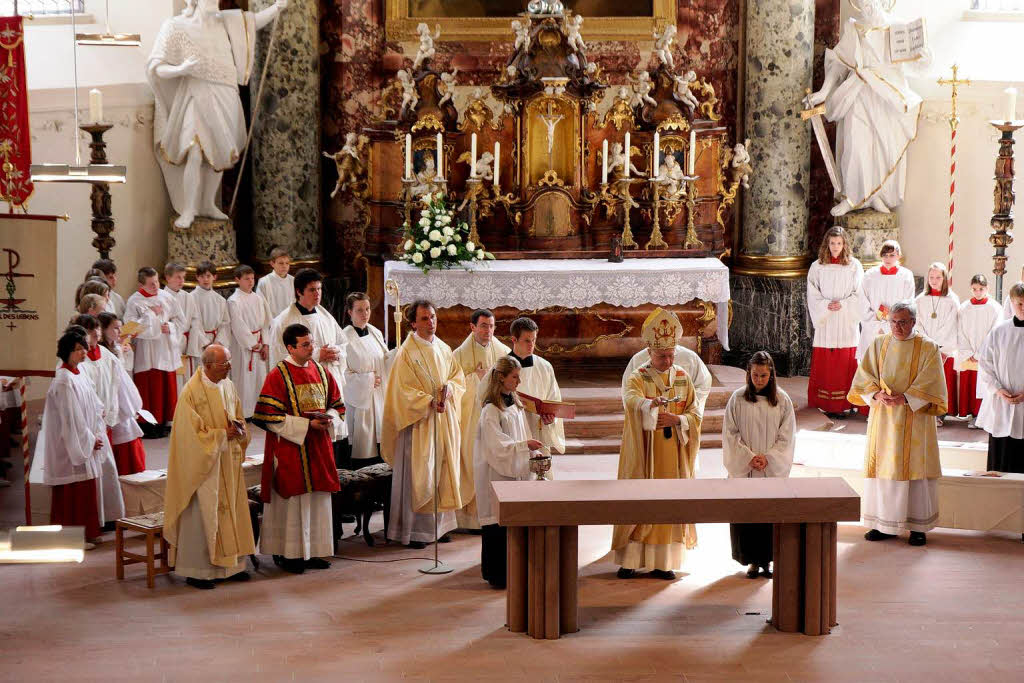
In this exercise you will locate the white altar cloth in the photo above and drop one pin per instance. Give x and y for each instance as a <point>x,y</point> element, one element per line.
<point>574,283</point>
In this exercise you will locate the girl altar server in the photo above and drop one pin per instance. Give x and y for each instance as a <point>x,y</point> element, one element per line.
<point>977,318</point>
<point>938,315</point>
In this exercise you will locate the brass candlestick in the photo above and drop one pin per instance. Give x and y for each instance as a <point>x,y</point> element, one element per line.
<point>656,240</point>
<point>102,218</point>
<point>691,238</point>
<point>408,200</point>
<point>1002,217</point>
<point>474,186</point>
<point>620,195</point>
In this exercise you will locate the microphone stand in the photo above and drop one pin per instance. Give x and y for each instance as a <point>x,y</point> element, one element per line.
<point>438,566</point>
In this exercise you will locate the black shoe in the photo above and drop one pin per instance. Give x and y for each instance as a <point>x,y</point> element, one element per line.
<point>752,571</point>
<point>317,563</point>
<point>279,560</point>
<point>447,538</point>
<point>240,576</point>
<point>500,585</point>
<point>876,535</point>
<point>624,573</point>
<point>666,574</point>
<point>766,572</point>
<point>417,545</point>
<point>202,584</point>
<point>294,566</point>
<point>917,538</point>
<point>348,519</point>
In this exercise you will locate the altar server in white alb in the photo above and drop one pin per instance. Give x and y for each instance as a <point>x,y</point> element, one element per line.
<point>212,323</point>
<point>278,286</point>
<point>833,303</point>
<point>687,360</point>
<point>537,379</point>
<point>977,318</point>
<point>882,287</point>
<point>157,354</point>
<point>476,355</point>
<point>365,380</point>
<point>72,443</point>
<point>109,270</point>
<point>1001,370</point>
<point>938,309</point>
<point>174,284</point>
<point>125,435</point>
<point>250,337</point>
<point>329,346</point>
<point>759,428</point>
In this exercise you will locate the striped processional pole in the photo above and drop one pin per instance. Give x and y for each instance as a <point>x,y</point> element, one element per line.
<point>24,451</point>
<point>954,122</point>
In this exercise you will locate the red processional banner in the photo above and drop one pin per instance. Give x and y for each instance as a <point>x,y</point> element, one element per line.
<point>15,143</point>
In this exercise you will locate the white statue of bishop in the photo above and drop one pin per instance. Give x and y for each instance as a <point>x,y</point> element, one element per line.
<point>199,59</point>
<point>877,112</point>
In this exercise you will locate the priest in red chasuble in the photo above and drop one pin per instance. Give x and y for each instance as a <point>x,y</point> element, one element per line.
<point>298,406</point>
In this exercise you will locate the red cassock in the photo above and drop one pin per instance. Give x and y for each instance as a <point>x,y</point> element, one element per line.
<point>949,370</point>
<point>159,392</point>
<point>832,372</point>
<point>290,468</point>
<point>969,403</point>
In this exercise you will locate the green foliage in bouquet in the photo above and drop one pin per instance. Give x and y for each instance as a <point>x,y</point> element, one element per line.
<point>438,241</point>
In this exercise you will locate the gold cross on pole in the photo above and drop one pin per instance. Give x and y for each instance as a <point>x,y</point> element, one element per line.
<point>954,118</point>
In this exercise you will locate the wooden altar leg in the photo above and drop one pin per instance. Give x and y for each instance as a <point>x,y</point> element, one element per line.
<point>786,582</point>
<point>832,555</point>
<point>569,579</point>
<point>516,591</point>
<point>551,582</point>
<point>813,580</point>
<point>535,590</point>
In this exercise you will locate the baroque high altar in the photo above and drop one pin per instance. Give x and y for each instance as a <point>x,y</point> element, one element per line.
<point>562,170</point>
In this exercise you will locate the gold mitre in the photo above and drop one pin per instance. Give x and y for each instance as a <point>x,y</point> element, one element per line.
<point>661,330</point>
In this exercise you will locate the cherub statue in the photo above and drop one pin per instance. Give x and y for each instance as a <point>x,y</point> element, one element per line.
<point>410,98</point>
<point>682,90</point>
<point>426,178</point>
<point>483,164</point>
<point>663,45</point>
<point>351,169</point>
<point>448,81</point>
<point>573,25</point>
<point>741,168</point>
<point>617,161</point>
<point>426,50</point>
<point>642,86</point>
<point>671,177</point>
<point>522,34</point>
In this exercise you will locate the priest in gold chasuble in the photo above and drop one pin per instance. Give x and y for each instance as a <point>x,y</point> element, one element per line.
<point>660,440</point>
<point>900,378</point>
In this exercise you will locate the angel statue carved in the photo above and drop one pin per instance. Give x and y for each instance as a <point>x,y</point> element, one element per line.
<point>574,24</point>
<point>642,86</point>
<point>410,98</point>
<point>682,90</point>
<point>740,166</point>
<point>663,45</point>
<point>448,81</point>
<point>351,168</point>
<point>671,177</point>
<point>522,34</point>
<point>617,161</point>
<point>426,50</point>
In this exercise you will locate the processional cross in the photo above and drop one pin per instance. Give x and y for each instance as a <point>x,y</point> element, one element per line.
<point>954,122</point>
<point>551,118</point>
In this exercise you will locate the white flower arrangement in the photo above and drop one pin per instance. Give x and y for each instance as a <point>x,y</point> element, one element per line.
<point>445,240</point>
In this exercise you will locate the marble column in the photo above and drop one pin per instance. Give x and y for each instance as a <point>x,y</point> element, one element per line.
<point>286,143</point>
<point>769,289</point>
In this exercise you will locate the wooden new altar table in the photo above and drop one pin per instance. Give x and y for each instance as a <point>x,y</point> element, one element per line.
<point>533,284</point>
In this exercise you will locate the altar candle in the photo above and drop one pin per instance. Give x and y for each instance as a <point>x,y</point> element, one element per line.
<point>472,154</point>
<point>1011,104</point>
<point>440,160</point>
<point>408,156</point>
<point>693,150</point>
<point>497,164</point>
<point>625,170</point>
<point>657,155</point>
<point>604,162</point>
<point>96,106</point>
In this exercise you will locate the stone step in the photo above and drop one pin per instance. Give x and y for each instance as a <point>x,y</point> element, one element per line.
<point>598,426</point>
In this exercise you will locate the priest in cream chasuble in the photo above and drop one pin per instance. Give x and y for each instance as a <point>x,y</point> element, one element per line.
<point>660,440</point>
<point>900,378</point>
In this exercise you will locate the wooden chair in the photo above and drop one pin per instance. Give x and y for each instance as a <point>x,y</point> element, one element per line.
<point>151,527</point>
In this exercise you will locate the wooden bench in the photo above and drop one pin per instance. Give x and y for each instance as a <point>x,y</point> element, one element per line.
<point>542,519</point>
<point>151,527</point>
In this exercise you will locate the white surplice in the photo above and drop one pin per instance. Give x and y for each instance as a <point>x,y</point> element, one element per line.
<point>116,303</point>
<point>364,404</point>
<point>835,282</point>
<point>325,332</point>
<point>211,323</point>
<point>189,363</point>
<point>129,403</point>
<point>539,381</point>
<point>758,428</point>
<point>1007,308</point>
<point>1001,366</point>
<point>279,292</point>
<point>938,318</point>
<point>689,361</point>
<point>155,350</point>
<point>250,326</point>
<point>106,377</point>
<point>501,454</point>
<point>975,322</point>
<point>877,290</point>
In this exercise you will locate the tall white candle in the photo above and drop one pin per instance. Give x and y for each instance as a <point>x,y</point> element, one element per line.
<point>497,164</point>
<point>408,156</point>
<point>440,159</point>
<point>472,154</point>
<point>95,106</point>
<point>1011,104</point>
<point>625,170</point>
<point>693,151</point>
<point>604,162</point>
<point>657,156</point>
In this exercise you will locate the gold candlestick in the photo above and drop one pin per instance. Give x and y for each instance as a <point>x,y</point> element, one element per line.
<point>656,240</point>
<point>474,186</point>
<point>691,238</point>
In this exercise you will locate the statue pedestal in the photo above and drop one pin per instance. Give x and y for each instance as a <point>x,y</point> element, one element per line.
<point>868,229</point>
<point>208,239</point>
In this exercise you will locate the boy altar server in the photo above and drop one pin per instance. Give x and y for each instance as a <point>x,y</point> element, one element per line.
<point>978,317</point>
<point>476,355</point>
<point>250,333</point>
<point>421,434</point>
<point>1001,370</point>
<point>537,379</point>
<point>212,322</point>
<point>365,379</point>
<point>660,440</point>
<point>277,286</point>
<point>174,279</point>
<point>109,270</point>
<point>882,287</point>
<point>299,407</point>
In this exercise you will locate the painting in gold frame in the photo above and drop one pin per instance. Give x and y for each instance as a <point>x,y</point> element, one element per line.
<point>488,20</point>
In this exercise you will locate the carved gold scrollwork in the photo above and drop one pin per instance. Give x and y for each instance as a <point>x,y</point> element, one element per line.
<point>674,123</point>
<point>551,179</point>
<point>619,115</point>
<point>478,116</point>
<point>428,122</point>
<point>707,107</point>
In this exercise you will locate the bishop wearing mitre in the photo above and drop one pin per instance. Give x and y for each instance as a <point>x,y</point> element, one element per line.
<point>206,511</point>
<point>421,434</point>
<point>901,379</point>
<point>476,356</point>
<point>660,440</point>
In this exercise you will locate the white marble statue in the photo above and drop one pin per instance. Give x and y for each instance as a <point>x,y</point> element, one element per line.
<point>410,98</point>
<point>573,25</point>
<point>522,33</point>
<point>682,90</point>
<point>617,161</point>
<point>741,166</point>
<point>484,166</point>
<point>199,59</point>
<point>448,80</point>
<point>426,49</point>
<point>426,178</point>
<point>671,178</point>
<point>876,111</point>
<point>663,45</point>
<point>545,7</point>
<point>642,86</point>
<point>348,162</point>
